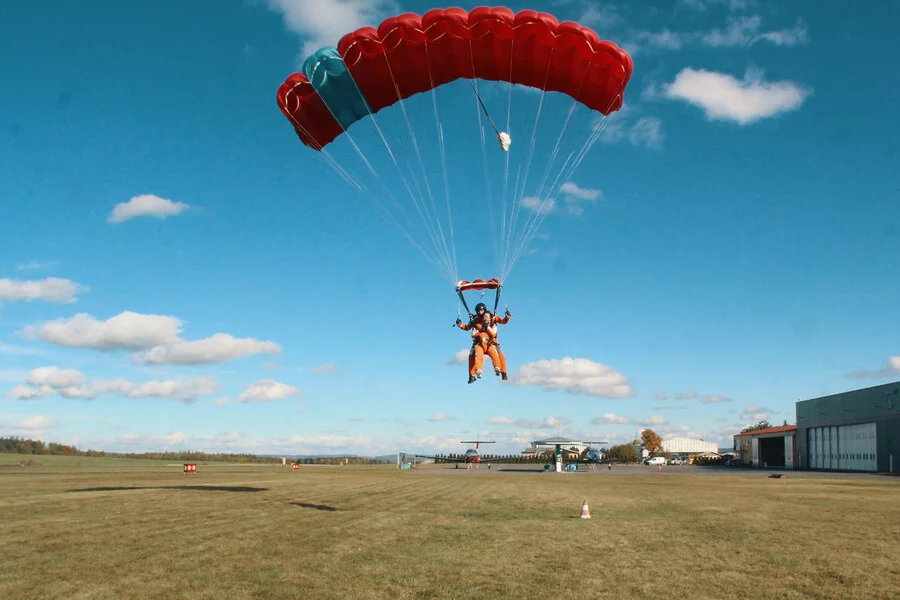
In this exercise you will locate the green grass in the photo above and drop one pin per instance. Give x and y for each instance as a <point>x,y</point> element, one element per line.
<point>119,528</point>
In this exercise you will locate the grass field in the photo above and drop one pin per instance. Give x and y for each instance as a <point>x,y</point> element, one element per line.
<point>99,528</point>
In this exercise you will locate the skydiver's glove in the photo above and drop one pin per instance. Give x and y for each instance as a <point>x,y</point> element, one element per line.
<point>508,314</point>
<point>458,322</point>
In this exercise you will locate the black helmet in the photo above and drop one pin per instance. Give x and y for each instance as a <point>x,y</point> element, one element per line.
<point>480,306</point>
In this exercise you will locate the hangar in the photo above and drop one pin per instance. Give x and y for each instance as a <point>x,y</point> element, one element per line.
<point>857,430</point>
<point>769,447</point>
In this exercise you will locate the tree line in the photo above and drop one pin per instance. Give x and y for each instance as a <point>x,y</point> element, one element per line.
<point>18,445</point>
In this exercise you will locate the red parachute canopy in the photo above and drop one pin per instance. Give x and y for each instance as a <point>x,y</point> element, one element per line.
<point>478,284</point>
<point>409,54</point>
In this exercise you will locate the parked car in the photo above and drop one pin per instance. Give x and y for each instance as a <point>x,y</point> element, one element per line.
<point>655,460</point>
<point>675,460</point>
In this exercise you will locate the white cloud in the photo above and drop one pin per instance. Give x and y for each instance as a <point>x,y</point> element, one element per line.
<point>146,205</point>
<point>654,420</point>
<point>69,383</point>
<point>724,98</point>
<point>36,422</point>
<point>24,392</point>
<point>500,421</point>
<point>890,368</point>
<point>610,418</point>
<point>538,205</point>
<point>54,377</point>
<point>460,358</point>
<point>733,5</point>
<point>754,414</point>
<point>267,390</point>
<point>570,188</point>
<point>51,289</point>
<point>714,398</point>
<point>326,369</point>
<point>324,22</point>
<point>158,334</point>
<point>36,265</point>
<point>660,395</point>
<point>578,376</point>
<point>743,32</point>
<point>218,348</point>
<point>644,131</point>
<point>439,417</point>
<point>547,423</point>
<point>686,395</point>
<point>125,331</point>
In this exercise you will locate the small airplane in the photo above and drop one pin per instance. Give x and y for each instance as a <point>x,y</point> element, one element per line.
<point>471,457</point>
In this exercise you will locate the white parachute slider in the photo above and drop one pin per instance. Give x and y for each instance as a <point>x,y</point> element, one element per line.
<point>504,140</point>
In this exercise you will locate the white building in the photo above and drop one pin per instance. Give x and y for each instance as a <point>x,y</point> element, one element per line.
<point>684,445</point>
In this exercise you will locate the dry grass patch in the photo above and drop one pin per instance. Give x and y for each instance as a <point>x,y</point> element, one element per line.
<point>374,532</point>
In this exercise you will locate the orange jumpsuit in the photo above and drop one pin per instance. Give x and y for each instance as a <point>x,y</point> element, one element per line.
<point>484,341</point>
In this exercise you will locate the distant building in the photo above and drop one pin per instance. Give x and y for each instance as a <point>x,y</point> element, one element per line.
<point>852,431</point>
<point>685,446</point>
<point>769,447</point>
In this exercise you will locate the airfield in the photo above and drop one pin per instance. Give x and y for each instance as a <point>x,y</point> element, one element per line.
<point>76,527</point>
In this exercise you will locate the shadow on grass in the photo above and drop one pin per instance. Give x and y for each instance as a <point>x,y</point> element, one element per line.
<point>521,470</point>
<point>324,507</point>
<point>201,488</point>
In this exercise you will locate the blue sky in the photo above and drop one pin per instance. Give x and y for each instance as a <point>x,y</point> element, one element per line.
<point>177,271</point>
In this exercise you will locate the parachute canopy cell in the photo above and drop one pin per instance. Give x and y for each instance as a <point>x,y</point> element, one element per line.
<point>407,54</point>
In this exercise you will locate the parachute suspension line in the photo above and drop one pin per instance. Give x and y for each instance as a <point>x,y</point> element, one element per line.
<point>596,132</point>
<point>444,268</point>
<point>489,197</point>
<point>440,132</point>
<point>374,199</point>
<point>520,195</point>
<point>433,223</point>
<point>503,220</point>
<point>536,218</point>
<point>475,89</point>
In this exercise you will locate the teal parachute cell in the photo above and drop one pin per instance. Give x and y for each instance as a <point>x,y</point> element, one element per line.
<point>329,76</point>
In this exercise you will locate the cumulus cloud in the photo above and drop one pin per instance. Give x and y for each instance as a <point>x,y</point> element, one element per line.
<point>500,421</point>
<point>725,98</point>
<point>714,398</point>
<point>753,413</point>
<point>890,368</point>
<point>51,289</point>
<point>146,205</point>
<point>460,358</point>
<point>578,376</point>
<point>660,395</point>
<point>439,417</point>
<point>55,377</point>
<point>125,331</point>
<point>36,422</point>
<point>654,420</point>
<point>218,348</point>
<point>25,392</point>
<point>158,334</point>
<point>324,22</point>
<point>267,390</point>
<point>546,423</point>
<point>72,384</point>
<point>610,418</point>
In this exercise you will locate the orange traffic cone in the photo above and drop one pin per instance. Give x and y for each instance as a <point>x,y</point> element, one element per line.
<point>585,511</point>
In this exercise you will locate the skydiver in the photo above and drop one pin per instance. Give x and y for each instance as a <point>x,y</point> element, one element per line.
<point>484,341</point>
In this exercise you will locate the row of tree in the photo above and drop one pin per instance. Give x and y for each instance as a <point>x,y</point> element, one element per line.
<point>27,446</point>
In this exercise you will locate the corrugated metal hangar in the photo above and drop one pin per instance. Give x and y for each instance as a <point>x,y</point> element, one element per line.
<point>852,431</point>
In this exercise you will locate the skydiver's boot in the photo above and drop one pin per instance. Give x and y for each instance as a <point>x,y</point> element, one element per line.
<point>497,371</point>
<point>478,374</point>
<point>503,376</point>
<point>471,379</point>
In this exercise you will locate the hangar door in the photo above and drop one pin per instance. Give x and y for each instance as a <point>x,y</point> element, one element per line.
<point>846,447</point>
